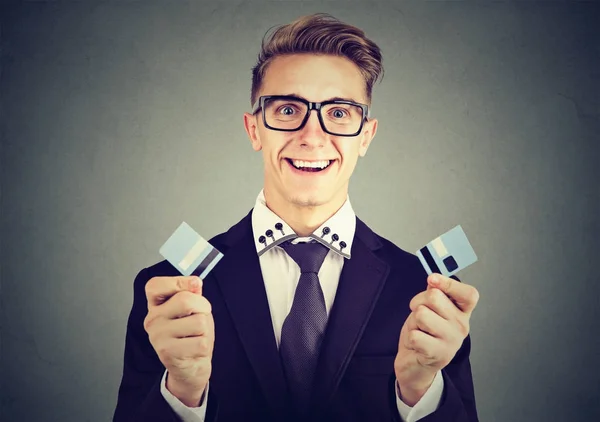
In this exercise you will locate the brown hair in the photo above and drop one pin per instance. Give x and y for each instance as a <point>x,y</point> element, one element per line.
<point>320,33</point>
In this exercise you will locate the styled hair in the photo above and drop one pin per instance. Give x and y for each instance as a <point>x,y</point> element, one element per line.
<point>319,33</point>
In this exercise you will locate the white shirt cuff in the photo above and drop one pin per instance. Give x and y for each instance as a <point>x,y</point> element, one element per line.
<point>187,414</point>
<point>428,403</point>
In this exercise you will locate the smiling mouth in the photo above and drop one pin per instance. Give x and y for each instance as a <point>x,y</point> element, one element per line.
<point>310,166</point>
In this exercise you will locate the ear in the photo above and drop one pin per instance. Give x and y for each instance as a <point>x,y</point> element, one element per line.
<point>368,134</point>
<point>251,126</point>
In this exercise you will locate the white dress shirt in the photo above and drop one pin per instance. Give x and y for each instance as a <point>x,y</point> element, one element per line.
<point>281,275</point>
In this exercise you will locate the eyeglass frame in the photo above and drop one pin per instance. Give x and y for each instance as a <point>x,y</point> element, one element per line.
<point>259,104</point>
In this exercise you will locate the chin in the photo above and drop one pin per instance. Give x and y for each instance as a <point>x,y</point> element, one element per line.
<point>308,199</point>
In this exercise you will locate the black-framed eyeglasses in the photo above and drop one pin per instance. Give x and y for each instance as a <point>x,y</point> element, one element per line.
<point>288,113</point>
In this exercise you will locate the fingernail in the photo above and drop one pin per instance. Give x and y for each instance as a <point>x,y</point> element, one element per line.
<point>195,283</point>
<point>435,280</point>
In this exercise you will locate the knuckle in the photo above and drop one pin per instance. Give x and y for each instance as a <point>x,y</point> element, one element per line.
<point>420,313</point>
<point>412,303</point>
<point>473,295</point>
<point>463,327</point>
<point>148,321</point>
<point>180,282</point>
<point>163,349</point>
<point>412,338</point>
<point>152,337</point>
<point>433,296</point>
<point>203,346</point>
<point>150,286</point>
<point>200,323</point>
<point>155,331</point>
<point>186,301</point>
<point>206,306</point>
<point>448,284</point>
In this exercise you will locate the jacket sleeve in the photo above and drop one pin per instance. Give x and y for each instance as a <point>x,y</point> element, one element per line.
<point>458,398</point>
<point>139,397</point>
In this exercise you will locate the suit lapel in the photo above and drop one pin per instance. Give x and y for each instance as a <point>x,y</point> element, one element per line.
<point>360,285</point>
<point>241,283</point>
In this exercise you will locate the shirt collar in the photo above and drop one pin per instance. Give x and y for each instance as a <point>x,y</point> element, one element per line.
<point>270,230</point>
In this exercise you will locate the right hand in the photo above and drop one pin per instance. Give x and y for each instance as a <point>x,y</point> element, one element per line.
<point>181,330</point>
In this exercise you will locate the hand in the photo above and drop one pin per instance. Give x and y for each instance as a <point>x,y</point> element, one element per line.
<point>432,334</point>
<point>181,330</point>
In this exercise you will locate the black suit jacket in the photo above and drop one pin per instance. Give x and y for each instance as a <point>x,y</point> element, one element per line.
<point>355,374</point>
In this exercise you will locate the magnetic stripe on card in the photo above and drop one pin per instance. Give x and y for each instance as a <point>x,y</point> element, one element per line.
<point>206,262</point>
<point>429,259</point>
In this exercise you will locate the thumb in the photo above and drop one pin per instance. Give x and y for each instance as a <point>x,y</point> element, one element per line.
<point>160,289</point>
<point>195,285</point>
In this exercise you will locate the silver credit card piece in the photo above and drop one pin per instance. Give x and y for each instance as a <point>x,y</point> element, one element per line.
<point>189,252</point>
<point>448,253</point>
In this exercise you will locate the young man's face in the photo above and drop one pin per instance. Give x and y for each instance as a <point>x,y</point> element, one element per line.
<point>315,78</point>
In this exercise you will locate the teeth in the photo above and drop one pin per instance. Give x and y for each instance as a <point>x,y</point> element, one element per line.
<point>311,164</point>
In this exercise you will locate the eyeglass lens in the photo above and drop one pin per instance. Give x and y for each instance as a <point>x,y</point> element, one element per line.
<point>342,119</point>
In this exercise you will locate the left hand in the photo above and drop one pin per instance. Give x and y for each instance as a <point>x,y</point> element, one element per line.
<point>432,334</point>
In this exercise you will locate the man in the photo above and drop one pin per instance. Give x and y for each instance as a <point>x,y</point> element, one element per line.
<point>310,315</point>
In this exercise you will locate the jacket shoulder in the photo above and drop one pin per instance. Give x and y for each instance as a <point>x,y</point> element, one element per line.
<point>398,257</point>
<point>387,250</point>
<point>401,259</point>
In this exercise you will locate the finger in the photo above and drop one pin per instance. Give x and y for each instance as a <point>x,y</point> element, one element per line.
<point>424,344</point>
<point>191,326</point>
<point>183,304</point>
<point>160,328</point>
<point>437,301</point>
<point>464,295</point>
<point>160,289</point>
<point>410,323</point>
<point>189,347</point>
<point>431,323</point>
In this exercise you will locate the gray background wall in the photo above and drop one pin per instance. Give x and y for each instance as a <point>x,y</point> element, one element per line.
<point>121,119</point>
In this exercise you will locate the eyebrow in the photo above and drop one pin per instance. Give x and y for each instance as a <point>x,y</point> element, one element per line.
<point>327,99</point>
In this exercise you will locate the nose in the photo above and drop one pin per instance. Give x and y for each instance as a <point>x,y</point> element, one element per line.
<point>312,134</point>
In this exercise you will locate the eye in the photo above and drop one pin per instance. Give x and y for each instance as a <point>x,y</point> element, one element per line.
<point>287,110</point>
<point>339,113</point>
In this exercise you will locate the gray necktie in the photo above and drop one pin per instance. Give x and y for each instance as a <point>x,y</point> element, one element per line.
<point>303,328</point>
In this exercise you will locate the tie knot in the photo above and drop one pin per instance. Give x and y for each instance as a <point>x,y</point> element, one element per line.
<point>308,255</point>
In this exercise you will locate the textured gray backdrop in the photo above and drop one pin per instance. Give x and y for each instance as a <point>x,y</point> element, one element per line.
<point>120,120</point>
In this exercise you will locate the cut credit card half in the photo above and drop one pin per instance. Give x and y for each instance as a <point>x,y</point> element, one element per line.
<point>189,252</point>
<point>448,253</point>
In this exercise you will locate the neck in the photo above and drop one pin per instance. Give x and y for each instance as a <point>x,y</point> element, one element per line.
<point>303,219</point>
